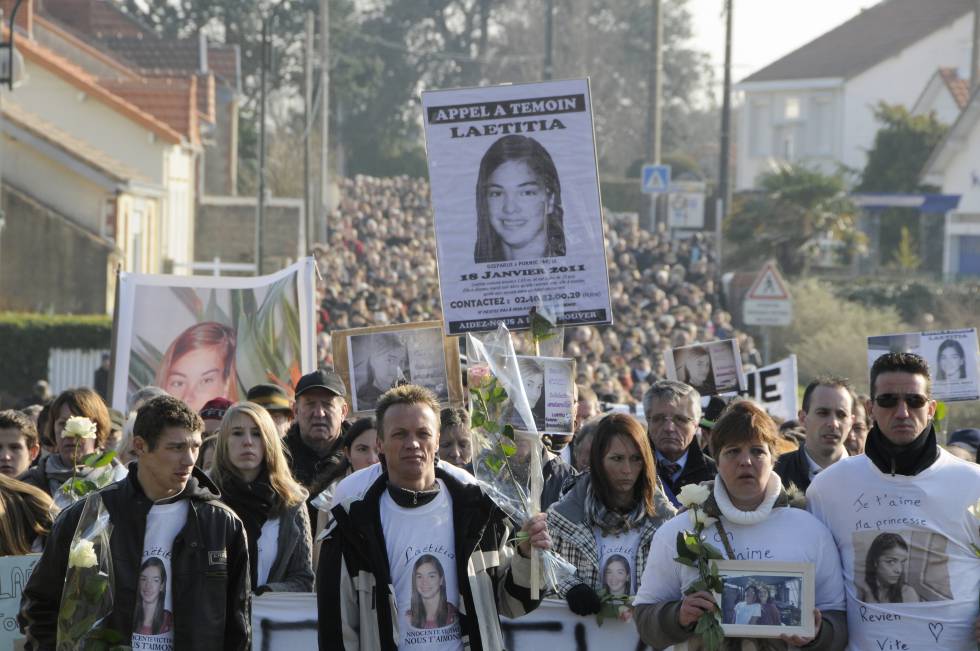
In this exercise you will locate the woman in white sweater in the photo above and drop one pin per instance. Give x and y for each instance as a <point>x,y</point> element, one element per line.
<point>754,521</point>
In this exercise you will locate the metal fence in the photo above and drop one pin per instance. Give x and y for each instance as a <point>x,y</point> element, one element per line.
<point>72,368</point>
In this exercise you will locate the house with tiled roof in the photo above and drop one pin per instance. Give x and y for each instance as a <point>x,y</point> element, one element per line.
<point>954,166</point>
<point>105,159</point>
<point>945,95</point>
<point>816,104</point>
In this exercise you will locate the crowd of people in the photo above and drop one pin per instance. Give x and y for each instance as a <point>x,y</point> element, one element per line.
<point>378,269</point>
<point>385,519</point>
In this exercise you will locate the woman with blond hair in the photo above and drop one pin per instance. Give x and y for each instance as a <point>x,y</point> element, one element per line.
<point>26,516</point>
<point>251,470</point>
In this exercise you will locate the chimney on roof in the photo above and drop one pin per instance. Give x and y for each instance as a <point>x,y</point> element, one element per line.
<point>24,18</point>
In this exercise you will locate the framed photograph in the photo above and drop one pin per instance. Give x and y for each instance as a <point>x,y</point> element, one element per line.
<point>373,360</point>
<point>766,599</point>
<point>712,368</point>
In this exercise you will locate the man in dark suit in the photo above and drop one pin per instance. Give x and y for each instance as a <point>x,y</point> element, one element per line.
<point>673,411</point>
<point>827,416</point>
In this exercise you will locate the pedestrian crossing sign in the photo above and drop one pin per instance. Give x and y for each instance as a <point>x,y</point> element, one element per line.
<point>656,179</point>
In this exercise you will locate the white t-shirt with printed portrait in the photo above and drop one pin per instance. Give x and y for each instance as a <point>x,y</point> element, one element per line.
<point>153,620</point>
<point>422,560</point>
<point>617,561</point>
<point>911,577</point>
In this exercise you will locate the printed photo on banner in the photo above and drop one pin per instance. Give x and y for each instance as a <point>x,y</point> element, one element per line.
<point>200,338</point>
<point>548,386</point>
<point>373,360</point>
<point>762,599</point>
<point>905,566</point>
<point>951,355</point>
<point>515,192</point>
<point>713,368</point>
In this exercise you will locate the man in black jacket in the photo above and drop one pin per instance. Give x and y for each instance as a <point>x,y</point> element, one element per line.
<point>673,411</point>
<point>827,416</point>
<point>422,560</point>
<point>314,440</point>
<point>170,530</point>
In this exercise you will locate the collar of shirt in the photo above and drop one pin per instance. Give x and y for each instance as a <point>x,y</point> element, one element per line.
<point>815,467</point>
<point>680,463</point>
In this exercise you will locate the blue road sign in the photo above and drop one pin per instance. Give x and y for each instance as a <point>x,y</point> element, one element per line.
<point>656,179</point>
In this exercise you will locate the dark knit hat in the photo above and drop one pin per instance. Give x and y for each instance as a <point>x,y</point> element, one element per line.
<point>271,396</point>
<point>215,408</point>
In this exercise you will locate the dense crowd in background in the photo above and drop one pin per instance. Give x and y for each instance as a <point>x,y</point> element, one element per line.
<point>379,269</point>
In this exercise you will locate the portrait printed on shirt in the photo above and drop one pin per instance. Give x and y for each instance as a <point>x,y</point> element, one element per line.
<point>153,617</point>
<point>901,567</point>
<point>616,559</point>
<point>427,598</point>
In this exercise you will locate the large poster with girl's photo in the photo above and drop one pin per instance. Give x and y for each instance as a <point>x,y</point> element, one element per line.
<point>951,355</point>
<point>200,338</point>
<point>515,191</point>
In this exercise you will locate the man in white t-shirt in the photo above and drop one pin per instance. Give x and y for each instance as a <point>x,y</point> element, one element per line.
<point>421,561</point>
<point>179,555</point>
<point>899,515</point>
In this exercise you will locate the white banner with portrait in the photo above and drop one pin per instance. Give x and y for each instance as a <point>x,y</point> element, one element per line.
<point>713,368</point>
<point>515,192</point>
<point>951,355</point>
<point>200,337</point>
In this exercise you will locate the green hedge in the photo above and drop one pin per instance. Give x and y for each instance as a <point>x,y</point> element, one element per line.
<point>25,340</point>
<point>622,195</point>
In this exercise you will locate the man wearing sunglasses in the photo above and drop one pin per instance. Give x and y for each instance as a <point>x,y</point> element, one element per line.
<point>899,514</point>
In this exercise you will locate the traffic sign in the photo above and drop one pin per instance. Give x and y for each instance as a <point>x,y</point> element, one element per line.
<point>768,302</point>
<point>685,207</point>
<point>656,179</point>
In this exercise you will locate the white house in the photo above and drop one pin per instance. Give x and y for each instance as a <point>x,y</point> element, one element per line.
<point>817,103</point>
<point>954,166</point>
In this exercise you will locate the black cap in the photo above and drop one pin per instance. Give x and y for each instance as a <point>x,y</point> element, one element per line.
<point>322,378</point>
<point>271,396</point>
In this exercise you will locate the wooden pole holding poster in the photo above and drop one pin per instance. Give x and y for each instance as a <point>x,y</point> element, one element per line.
<point>537,484</point>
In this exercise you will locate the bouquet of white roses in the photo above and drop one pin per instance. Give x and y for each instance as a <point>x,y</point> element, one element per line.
<point>504,458</point>
<point>87,597</point>
<point>77,487</point>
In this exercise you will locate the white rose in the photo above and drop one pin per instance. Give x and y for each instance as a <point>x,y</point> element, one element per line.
<point>79,427</point>
<point>82,555</point>
<point>975,510</point>
<point>693,494</point>
<point>698,516</point>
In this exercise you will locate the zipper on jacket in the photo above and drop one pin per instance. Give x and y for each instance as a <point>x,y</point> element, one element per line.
<point>893,466</point>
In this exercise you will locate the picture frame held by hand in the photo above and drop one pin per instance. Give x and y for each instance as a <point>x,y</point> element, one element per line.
<point>765,599</point>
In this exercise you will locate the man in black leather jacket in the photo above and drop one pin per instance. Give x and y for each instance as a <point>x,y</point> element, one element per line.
<point>209,560</point>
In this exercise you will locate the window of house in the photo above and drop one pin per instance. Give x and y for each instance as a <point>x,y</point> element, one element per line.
<point>760,129</point>
<point>791,108</point>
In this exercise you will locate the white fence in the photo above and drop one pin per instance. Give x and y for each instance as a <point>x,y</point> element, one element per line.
<point>72,368</point>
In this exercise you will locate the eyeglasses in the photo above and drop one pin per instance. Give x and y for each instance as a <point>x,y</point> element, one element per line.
<point>889,400</point>
<point>679,420</point>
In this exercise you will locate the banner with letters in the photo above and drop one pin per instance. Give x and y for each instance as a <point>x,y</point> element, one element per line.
<point>200,337</point>
<point>14,573</point>
<point>287,620</point>
<point>515,192</point>
<point>774,387</point>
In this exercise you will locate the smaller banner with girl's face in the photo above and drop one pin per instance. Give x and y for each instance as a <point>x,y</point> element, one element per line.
<point>951,355</point>
<point>712,368</point>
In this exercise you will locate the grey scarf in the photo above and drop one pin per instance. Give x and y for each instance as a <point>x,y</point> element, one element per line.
<point>611,522</point>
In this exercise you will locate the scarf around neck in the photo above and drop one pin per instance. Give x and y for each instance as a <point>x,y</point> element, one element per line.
<point>733,514</point>
<point>610,521</point>
<point>254,503</point>
<point>910,459</point>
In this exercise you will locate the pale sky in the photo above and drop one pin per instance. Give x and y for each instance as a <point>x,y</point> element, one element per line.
<point>765,30</point>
